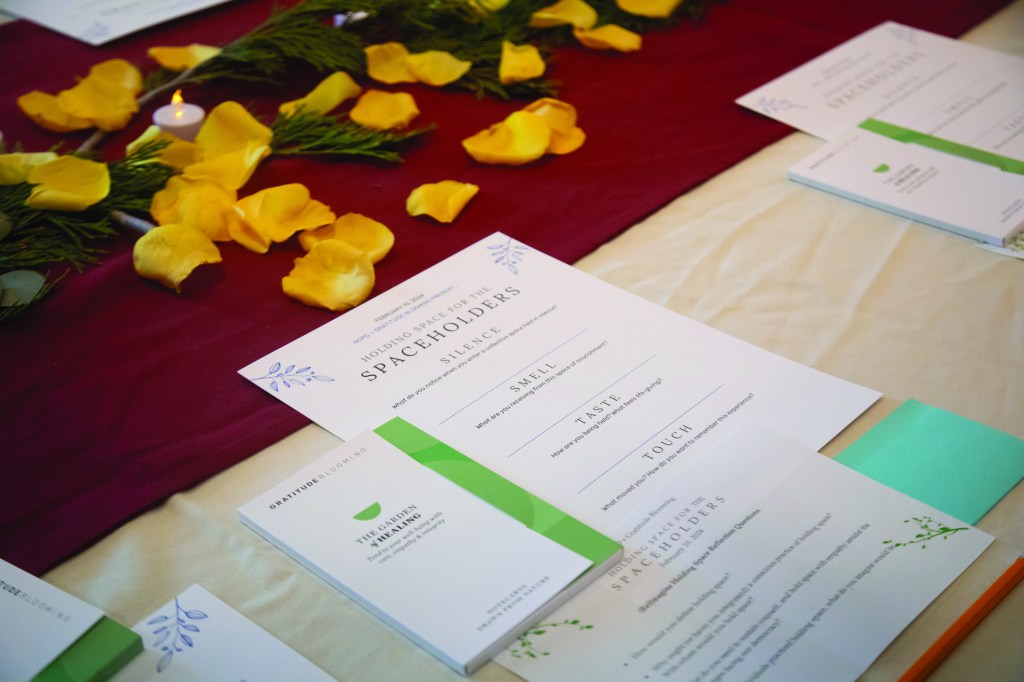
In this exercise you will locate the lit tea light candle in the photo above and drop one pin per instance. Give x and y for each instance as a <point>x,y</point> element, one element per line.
<point>180,118</point>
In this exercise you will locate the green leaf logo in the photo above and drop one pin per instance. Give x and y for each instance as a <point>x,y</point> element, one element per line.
<point>882,168</point>
<point>371,512</point>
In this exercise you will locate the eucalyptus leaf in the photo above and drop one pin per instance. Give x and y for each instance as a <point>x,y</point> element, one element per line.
<point>20,287</point>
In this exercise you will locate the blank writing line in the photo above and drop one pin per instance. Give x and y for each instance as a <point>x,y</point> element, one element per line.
<point>648,439</point>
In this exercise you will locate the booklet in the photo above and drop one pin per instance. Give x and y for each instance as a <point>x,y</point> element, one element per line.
<point>445,551</point>
<point>100,21</point>
<point>578,391</point>
<point>945,187</point>
<point>196,636</point>
<point>763,561</point>
<point>48,634</point>
<point>913,81</point>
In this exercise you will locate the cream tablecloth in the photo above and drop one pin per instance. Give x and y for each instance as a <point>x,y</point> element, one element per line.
<point>885,302</point>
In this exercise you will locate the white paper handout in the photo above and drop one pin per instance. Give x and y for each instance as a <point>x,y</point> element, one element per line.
<point>196,636</point>
<point>576,390</point>
<point>100,21</point>
<point>763,561</point>
<point>913,81</point>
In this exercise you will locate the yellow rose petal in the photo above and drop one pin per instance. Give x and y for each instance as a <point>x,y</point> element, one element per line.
<point>68,184</point>
<point>333,275</point>
<point>560,117</point>
<point>520,63</point>
<point>207,206</point>
<point>229,128</point>
<point>275,214</point>
<point>519,139</point>
<point>43,108</point>
<point>655,9</point>
<point>435,67</point>
<point>388,63</point>
<point>169,254</point>
<point>181,58</point>
<point>356,230</point>
<point>565,12</point>
<point>232,170</point>
<point>326,96</point>
<point>106,97</point>
<point>379,110</point>
<point>442,201</point>
<point>119,74</point>
<point>609,37</point>
<point>177,154</point>
<point>14,168</point>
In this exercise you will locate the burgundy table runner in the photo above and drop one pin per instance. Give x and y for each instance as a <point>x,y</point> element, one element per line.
<point>119,393</point>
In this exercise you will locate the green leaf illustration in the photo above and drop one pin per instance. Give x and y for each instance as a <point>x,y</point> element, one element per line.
<point>371,512</point>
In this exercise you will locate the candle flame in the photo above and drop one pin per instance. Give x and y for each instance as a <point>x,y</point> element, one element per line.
<point>178,102</point>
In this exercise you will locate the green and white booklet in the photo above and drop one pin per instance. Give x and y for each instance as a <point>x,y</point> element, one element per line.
<point>444,550</point>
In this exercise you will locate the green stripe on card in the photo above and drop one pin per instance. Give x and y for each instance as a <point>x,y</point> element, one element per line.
<point>901,134</point>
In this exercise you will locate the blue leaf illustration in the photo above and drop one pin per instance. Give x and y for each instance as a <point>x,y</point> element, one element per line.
<point>276,367</point>
<point>189,627</point>
<point>273,386</point>
<point>321,377</point>
<point>187,640</point>
<point>288,369</point>
<point>165,661</point>
<point>196,615</point>
<point>158,619</point>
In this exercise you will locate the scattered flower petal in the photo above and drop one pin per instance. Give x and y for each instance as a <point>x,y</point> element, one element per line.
<point>208,206</point>
<point>609,37</point>
<point>519,139</point>
<point>655,9</point>
<point>68,183</point>
<point>333,275</point>
<point>232,170</point>
<point>106,97</point>
<point>43,108</point>
<point>442,201</point>
<point>14,168</point>
<point>436,67</point>
<point>565,12</point>
<point>356,230</point>
<point>388,63</point>
<point>181,58</point>
<point>20,287</point>
<point>169,254</point>
<point>326,96</point>
<point>560,118</point>
<point>229,128</point>
<point>119,74</point>
<point>275,214</point>
<point>520,63</point>
<point>178,154</point>
<point>379,110</point>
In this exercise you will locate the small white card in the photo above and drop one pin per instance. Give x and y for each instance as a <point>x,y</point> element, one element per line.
<point>38,622</point>
<point>920,183</point>
<point>100,21</point>
<point>764,560</point>
<point>451,572</point>
<point>196,636</point>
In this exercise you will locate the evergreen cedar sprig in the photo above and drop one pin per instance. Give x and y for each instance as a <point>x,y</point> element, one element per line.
<point>42,237</point>
<point>308,133</point>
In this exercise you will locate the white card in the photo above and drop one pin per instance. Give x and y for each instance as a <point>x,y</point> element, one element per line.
<point>38,622</point>
<point>196,636</point>
<point>436,562</point>
<point>581,393</point>
<point>763,560</point>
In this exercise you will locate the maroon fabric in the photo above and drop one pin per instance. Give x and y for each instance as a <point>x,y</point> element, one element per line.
<point>119,393</point>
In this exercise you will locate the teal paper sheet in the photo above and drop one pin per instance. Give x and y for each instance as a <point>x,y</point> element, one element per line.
<point>950,462</point>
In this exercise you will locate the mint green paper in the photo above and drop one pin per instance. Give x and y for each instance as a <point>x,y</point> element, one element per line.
<point>952,463</point>
<point>97,655</point>
<point>521,505</point>
<point>901,134</point>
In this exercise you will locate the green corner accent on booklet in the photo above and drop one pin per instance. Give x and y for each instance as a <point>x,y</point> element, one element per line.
<point>521,505</point>
<point>950,462</point>
<point>102,651</point>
